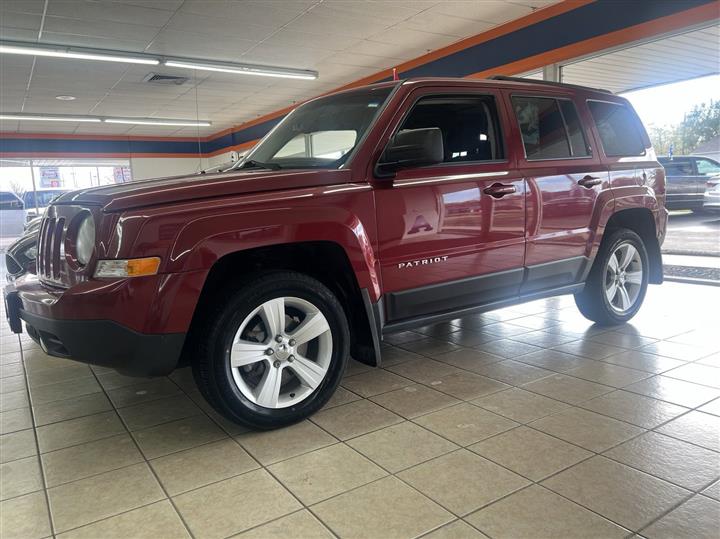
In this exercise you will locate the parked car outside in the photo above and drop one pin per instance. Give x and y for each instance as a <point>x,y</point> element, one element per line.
<point>11,215</point>
<point>686,178</point>
<point>712,194</point>
<point>36,201</point>
<point>362,213</point>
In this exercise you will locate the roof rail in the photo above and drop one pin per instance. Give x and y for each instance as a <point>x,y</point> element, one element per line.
<point>548,82</point>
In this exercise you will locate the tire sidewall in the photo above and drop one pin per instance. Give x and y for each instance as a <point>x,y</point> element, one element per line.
<point>234,403</point>
<point>616,240</point>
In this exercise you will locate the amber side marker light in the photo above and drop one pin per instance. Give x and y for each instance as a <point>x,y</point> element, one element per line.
<point>134,267</point>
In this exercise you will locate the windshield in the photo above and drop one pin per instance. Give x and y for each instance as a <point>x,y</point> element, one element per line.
<point>43,197</point>
<point>322,133</point>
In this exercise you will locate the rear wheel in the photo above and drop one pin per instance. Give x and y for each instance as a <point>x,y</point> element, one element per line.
<point>617,283</point>
<point>273,350</point>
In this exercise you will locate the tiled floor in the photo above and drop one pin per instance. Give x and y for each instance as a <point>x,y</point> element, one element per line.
<point>526,422</point>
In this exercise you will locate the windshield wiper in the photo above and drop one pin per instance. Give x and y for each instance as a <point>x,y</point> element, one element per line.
<point>258,164</point>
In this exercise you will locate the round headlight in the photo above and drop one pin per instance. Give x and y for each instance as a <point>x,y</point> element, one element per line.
<point>85,243</point>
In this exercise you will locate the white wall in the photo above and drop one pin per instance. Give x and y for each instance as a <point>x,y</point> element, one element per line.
<point>155,167</point>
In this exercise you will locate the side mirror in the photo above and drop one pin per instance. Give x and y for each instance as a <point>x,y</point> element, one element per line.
<point>412,148</point>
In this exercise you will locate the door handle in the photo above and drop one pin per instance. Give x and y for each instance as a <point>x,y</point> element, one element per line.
<point>498,190</point>
<point>589,182</point>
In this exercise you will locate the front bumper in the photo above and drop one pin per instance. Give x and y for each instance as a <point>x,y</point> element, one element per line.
<point>60,322</point>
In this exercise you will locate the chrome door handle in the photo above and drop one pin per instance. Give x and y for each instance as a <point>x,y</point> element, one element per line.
<point>589,182</point>
<point>498,190</point>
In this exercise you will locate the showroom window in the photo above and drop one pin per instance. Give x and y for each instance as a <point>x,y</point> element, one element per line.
<point>618,128</point>
<point>322,144</point>
<point>469,125</point>
<point>550,128</point>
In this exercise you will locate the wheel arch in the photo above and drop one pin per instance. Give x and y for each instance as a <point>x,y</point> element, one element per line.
<point>642,222</point>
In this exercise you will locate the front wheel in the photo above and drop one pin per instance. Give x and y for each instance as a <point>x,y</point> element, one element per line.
<point>617,283</point>
<point>272,351</point>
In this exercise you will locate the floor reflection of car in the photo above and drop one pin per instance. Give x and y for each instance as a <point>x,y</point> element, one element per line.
<point>11,214</point>
<point>711,200</point>
<point>43,198</point>
<point>20,255</point>
<point>686,177</point>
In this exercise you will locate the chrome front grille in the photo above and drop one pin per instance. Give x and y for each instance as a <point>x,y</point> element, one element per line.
<point>50,248</point>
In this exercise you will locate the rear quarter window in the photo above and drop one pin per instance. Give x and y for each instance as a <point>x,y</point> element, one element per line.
<point>619,129</point>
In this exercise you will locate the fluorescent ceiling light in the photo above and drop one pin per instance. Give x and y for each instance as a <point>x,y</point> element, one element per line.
<point>151,121</point>
<point>58,51</point>
<point>39,117</point>
<point>108,120</point>
<point>245,69</point>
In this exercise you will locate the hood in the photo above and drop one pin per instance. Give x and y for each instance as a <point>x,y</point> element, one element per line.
<point>142,193</point>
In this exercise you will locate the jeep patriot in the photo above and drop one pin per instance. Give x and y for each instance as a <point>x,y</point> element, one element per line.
<point>362,213</point>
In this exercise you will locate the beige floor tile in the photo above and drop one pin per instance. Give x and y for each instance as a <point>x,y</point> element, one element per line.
<point>25,517</point>
<point>316,476</point>
<point>608,374</point>
<point>84,405</point>
<point>713,491</point>
<point>114,380</point>
<point>538,513</point>
<point>101,496</point>
<point>14,400</point>
<point>80,461</point>
<point>673,460</point>
<point>78,431</point>
<point>392,355</point>
<point>465,424</point>
<point>587,429</point>
<point>712,407</point>
<point>697,518</point>
<point>513,372</point>
<point>462,481</point>
<point>414,400</point>
<point>622,339</point>
<point>12,384</point>
<point>589,349</point>
<point>554,360</point>
<point>530,453</point>
<point>385,508</point>
<point>456,530</point>
<point>202,465</point>
<point>238,503</point>
<point>508,348</point>
<point>468,359</point>
<point>467,385</point>
<point>20,477</point>
<point>697,374</point>
<point>302,525</point>
<point>429,346</point>
<point>17,445</point>
<point>697,428</point>
<point>340,397</point>
<point>520,405</point>
<point>675,391</point>
<point>145,391</point>
<point>14,420</point>
<point>272,446</point>
<point>178,435</point>
<point>628,497</point>
<point>354,419</point>
<point>684,352</point>
<point>567,388</point>
<point>155,521</point>
<point>374,382</point>
<point>424,371</point>
<point>231,428</point>
<point>54,375</point>
<point>712,360</point>
<point>642,361</point>
<point>13,369</point>
<point>637,409</point>
<point>157,412</point>
<point>401,446</point>
<point>60,391</point>
<point>355,367</point>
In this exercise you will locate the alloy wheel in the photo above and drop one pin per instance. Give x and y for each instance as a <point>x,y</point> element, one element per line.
<point>623,277</point>
<point>281,352</point>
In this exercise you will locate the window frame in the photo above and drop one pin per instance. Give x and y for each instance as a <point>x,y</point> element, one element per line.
<point>501,138</point>
<point>638,125</point>
<point>556,98</point>
<point>696,160</point>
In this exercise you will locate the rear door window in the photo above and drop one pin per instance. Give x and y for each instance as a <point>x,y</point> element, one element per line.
<point>550,128</point>
<point>618,128</point>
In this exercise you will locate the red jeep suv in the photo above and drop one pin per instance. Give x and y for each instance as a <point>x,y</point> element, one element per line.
<point>361,213</point>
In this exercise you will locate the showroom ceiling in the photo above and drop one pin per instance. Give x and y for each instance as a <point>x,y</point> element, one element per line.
<point>342,39</point>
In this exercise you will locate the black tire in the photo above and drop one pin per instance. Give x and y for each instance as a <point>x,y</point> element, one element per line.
<point>592,301</point>
<point>211,366</point>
